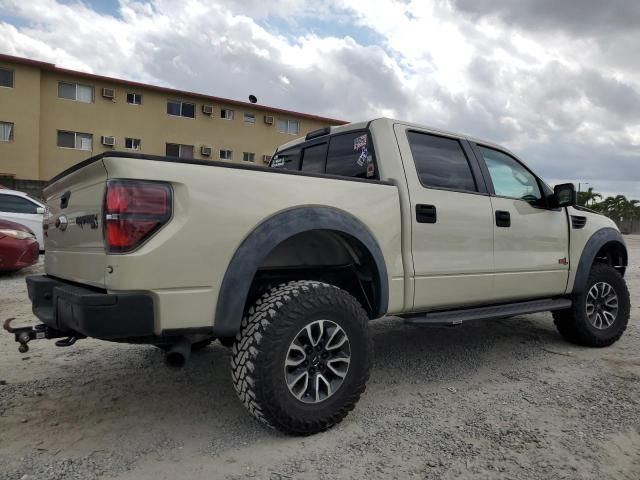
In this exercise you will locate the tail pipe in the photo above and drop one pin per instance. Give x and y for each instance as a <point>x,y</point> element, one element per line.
<point>178,354</point>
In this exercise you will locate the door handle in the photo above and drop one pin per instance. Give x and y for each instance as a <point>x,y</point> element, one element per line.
<point>64,199</point>
<point>503,218</point>
<point>426,213</point>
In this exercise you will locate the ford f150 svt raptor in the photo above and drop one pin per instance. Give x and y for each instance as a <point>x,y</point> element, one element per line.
<point>288,264</point>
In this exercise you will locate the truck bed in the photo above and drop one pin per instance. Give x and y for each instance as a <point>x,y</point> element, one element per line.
<point>216,205</point>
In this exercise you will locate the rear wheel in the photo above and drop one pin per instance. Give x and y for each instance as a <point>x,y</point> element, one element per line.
<point>600,313</point>
<point>302,357</point>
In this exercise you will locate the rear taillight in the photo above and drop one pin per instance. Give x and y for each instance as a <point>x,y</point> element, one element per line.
<point>133,212</point>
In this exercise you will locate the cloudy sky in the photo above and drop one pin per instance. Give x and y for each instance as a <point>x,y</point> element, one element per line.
<point>557,81</point>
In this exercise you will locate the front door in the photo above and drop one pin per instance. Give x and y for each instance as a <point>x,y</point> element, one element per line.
<point>530,241</point>
<point>451,220</point>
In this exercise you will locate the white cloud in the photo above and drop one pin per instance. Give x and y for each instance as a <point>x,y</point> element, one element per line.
<point>552,95</point>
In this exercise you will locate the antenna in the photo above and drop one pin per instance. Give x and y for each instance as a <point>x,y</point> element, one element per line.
<point>253,98</point>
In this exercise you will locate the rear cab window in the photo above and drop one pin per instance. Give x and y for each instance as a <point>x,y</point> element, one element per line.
<point>287,159</point>
<point>313,158</point>
<point>347,154</point>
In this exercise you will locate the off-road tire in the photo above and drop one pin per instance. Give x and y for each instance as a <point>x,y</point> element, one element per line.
<point>573,323</point>
<point>258,355</point>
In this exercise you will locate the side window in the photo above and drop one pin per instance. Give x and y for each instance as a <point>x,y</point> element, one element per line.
<point>313,158</point>
<point>287,159</point>
<point>351,155</point>
<point>441,162</point>
<point>14,204</point>
<point>509,177</point>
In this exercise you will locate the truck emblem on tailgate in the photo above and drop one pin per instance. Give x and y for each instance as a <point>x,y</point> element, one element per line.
<point>91,220</point>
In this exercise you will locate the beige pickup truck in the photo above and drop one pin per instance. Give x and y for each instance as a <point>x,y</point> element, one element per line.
<point>286,265</point>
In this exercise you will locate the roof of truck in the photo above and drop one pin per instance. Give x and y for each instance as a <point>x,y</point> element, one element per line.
<point>392,121</point>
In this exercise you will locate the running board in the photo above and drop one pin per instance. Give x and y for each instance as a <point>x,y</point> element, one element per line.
<point>456,317</point>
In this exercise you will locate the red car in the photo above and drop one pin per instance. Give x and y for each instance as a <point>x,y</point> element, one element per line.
<point>18,246</point>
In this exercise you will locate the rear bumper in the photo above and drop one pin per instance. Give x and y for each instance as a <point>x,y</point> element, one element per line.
<point>91,312</point>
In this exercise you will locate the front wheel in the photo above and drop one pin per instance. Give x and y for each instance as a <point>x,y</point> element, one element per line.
<point>600,313</point>
<point>302,357</point>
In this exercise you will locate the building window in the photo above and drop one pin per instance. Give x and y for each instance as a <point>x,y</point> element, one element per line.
<point>226,155</point>
<point>248,156</point>
<point>181,109</point>
<point>132,143</point>
<point>75,91</point>
<point>6,78</point>
<point>291,127</point>
<point>249,118</point>
<point>179,151</point>
<point>134,98</point>
<point>226,114</point>
<point>6,131</point>
<point>77,140</point>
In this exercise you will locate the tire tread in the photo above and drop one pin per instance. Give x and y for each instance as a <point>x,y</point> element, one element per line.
<point>278,310</point>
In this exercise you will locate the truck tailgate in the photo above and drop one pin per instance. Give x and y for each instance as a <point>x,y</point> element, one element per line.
<point>74,239</point>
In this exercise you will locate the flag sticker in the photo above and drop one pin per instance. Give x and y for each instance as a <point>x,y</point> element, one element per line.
<point>360,142</point>
<point>362,159</point>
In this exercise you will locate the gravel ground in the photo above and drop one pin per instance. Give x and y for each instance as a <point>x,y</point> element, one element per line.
<point>487,400</point>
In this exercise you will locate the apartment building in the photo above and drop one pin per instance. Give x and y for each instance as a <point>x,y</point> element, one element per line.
<point>52,118</point>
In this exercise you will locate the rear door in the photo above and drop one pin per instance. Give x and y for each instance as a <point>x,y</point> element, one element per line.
<point>451,220</point>
<point>530,241</point>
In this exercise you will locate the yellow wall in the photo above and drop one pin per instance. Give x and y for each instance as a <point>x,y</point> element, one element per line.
<point>21,106</point>
<point>33,105</point>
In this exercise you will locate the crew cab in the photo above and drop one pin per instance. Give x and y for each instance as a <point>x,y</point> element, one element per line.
<point>287,264</point>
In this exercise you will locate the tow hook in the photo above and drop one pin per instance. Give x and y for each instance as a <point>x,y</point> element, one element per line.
<point>23,335</point>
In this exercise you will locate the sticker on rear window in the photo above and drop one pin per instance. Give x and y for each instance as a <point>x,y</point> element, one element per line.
<point>360,142</point>
<point>277,162</point>
<point>362,159</point>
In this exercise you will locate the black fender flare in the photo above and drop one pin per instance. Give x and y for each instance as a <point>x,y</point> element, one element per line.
<point>244,264</point>
<point>589,252</point>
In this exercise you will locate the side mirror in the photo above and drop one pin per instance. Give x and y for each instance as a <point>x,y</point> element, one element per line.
<point>40,210</point>
<point>564,195</point>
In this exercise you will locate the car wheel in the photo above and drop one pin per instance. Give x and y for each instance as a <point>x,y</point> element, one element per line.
<point>600,313</point>
<point>301,359</point>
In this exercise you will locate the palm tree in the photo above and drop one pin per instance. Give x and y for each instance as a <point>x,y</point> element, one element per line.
<point>589,196</point>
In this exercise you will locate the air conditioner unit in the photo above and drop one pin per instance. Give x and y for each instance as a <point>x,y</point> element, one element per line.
<point>108,141</point>
<point>109,93</point>
<point>268,119</point>
<point>205,151</point>
<point>207,110</point>
<point>266,158</point>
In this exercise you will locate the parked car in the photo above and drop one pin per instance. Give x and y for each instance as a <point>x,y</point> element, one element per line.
<point>21,208</point>
<point>18,246</point>
<point>289,264</point>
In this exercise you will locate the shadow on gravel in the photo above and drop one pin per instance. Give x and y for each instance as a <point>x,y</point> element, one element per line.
<point>129,385</point>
